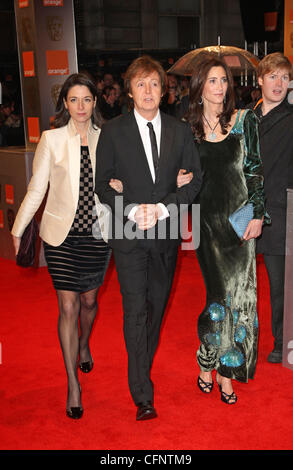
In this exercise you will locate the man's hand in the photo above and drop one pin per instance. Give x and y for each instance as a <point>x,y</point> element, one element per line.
<point>183,178</point>
<point>146,216</point>
<point>116,184</point>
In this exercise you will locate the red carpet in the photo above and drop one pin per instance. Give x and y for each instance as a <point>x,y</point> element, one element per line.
<point>33,385</point>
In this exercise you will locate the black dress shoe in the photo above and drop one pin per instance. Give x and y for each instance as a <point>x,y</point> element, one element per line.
<point>86,367</point>
<point>75,412</point>
<point>145,411</point>
<point>275,356</point>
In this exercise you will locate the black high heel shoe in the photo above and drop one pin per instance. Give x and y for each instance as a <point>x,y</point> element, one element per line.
<point>229,399</point>
<point>205,387</point>
<point>86,367</point>
<point>75,412</point>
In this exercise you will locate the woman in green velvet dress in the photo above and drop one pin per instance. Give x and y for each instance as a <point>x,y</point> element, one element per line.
<point>227,140</point>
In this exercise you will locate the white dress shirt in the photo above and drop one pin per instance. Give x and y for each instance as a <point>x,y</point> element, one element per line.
<point>145,137</point>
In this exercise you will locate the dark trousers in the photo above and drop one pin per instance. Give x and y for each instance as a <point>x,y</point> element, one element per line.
<point>145,276</point>
<point>275,265</point>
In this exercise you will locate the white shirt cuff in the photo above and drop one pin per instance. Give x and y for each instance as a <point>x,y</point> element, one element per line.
<point>162,217</point>
<point>165,211</point>
<point>132,213</point>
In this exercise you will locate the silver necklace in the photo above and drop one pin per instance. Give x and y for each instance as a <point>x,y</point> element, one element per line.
<point>212,135</point>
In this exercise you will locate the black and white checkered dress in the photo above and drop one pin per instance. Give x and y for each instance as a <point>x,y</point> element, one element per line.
<point>79,264</point>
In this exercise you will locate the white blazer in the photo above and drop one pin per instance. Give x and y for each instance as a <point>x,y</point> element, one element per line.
<point>57,164</point>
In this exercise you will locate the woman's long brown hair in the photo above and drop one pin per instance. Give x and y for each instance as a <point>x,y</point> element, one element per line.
<point>194,116</point>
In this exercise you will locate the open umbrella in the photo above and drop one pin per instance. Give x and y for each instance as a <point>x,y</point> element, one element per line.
<point>237,59</point>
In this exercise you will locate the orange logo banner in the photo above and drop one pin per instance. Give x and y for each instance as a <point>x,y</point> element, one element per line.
<point>57,62</point>
<point>33,129</point>
<point>23,3</point>
<point>28,64</point>
<point>288,29</point>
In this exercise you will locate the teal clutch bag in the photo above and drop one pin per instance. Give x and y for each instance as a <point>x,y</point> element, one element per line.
<point>241,218</point>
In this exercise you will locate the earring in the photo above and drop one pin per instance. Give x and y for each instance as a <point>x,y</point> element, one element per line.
<point>200,102</point>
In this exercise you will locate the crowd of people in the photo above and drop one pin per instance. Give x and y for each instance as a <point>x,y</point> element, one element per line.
<point>11,123</point>
<point>118,185</point>
<point>112,101</point>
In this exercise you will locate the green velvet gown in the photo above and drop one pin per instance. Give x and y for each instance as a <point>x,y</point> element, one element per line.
<point>228,325</point>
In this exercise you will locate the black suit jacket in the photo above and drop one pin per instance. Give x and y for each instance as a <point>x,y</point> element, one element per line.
<point>121,155</point>
<point>276,148</point>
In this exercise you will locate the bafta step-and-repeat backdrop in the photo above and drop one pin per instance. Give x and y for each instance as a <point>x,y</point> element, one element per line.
<point>288,29</point>
<point>47,55</point>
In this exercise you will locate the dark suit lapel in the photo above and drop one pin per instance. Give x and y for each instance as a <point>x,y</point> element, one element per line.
<point>275,117</point>
<point>135,143</point>
<point>167,135</point>
<point>270,131</point>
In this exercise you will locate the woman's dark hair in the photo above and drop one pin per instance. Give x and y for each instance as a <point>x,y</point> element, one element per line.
<point>62,115</point>
<point>205,62</point>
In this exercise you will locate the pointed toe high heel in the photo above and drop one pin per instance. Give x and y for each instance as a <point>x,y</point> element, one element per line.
<point>74,412</point>
<point>86,367</point>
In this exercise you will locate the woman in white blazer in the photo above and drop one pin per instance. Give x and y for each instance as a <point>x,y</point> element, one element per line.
<point>65,161</point>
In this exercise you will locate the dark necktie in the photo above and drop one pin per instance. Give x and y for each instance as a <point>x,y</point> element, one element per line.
<point>154,148</point>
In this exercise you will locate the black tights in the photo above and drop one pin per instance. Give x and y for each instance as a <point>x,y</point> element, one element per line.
<point>76,311</point>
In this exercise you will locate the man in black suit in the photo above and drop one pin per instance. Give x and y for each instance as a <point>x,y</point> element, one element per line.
<point>276,149</point>
<point>145,149</point>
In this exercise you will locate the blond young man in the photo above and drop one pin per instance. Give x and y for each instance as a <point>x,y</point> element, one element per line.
<point>276,145</point>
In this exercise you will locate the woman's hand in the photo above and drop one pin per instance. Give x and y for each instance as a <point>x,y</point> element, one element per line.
<point>253,230</point>
<point>16,243</point>
<point>183,178</point>
<point>116,184</point>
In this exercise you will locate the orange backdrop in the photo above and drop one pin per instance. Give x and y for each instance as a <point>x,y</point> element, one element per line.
<point>288,29</point>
